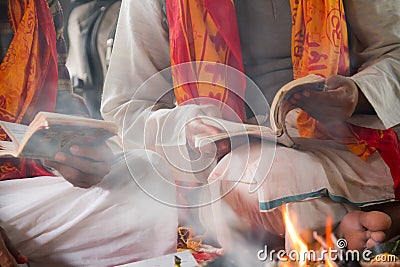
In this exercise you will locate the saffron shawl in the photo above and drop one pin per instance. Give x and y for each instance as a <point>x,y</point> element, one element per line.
<point>28,76</point>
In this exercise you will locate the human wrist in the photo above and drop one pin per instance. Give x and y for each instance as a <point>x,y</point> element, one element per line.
<point>363,105</point>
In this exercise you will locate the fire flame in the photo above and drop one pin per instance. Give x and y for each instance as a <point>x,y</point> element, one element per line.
<point>295,240</point>
<point>299,245</point>
<point>329,242</point>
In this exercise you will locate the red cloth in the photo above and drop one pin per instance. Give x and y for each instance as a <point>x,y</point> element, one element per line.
<point>28,76</point>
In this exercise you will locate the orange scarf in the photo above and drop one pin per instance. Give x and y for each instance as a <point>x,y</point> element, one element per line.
<point>28,76</point>
<point>200,33</point>
<point>320,46</point>
<point>206,30</point>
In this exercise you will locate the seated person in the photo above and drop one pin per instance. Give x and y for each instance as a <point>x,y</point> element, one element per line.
<point>92,213</point>
<point>327,176</point>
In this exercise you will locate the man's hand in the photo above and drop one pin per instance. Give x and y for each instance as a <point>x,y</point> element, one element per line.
<point>222,147</point>
<point>9,255</point>
<point>334,106</point>
<point>84,166</point>
<point>196,127</point>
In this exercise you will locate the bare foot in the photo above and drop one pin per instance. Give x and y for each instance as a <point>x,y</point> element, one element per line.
<point>364,229</point>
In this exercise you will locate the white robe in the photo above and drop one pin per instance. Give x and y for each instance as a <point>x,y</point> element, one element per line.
<point>115,222</point>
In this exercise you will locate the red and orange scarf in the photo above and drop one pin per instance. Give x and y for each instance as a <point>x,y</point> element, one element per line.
<point>206,30</point>
<point>28,76</point>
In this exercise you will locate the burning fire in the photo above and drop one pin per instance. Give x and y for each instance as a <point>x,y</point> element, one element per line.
<point>300,246</point>
<point>295,240</point>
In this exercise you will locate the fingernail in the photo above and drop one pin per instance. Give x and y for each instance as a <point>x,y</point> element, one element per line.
<point>60,157</point>
<point>74,149</point>
<point>306,93</point>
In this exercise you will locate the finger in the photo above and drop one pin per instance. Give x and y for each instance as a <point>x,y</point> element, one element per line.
<point>344,99</point>
<point>223,147</point>
<point>197,127</point>
<point>371,243</point>
<point>378,236</point>
<point>321,112</point>
<point>74,176</point>
<point>211,111</point>
<point>348,88</point>
<point>335,81</point>
<point>97,153</point>
<point>11,248</point>
<point>322,100</point>
<point>334,98</point>
<point>82,164</point>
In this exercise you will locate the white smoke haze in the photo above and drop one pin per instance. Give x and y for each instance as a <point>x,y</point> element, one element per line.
<point>201,184</point>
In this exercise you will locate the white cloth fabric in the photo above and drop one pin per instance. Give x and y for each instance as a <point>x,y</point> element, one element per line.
<point>322,179</point>
<point>142,50</point>
<point>114,222</point>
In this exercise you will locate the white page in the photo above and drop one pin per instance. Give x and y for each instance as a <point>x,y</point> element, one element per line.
<point>14,130</point>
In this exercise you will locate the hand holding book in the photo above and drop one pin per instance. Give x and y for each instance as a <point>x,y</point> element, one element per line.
<point>336,105</point>
<point>280,107</point>
<point>84,165</point>
<point>74,146</point>
<point>50,133</point>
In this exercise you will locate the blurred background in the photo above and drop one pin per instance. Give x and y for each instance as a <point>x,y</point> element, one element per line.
<point>89,30</point>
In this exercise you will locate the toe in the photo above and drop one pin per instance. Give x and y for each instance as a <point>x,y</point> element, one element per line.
<point>356,240</point>
<point>375,221</point>
<point>370,243</point>
<point>378,236</point>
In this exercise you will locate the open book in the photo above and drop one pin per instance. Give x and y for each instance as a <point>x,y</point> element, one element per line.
<point>279,109</point>
<point>50,133</point>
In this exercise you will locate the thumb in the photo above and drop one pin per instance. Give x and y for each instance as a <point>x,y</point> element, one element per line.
<point>335,81</point>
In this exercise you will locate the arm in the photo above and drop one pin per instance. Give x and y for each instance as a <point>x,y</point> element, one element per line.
<point>375,48</point>
<point>141,50</point>
<point>367,98</point>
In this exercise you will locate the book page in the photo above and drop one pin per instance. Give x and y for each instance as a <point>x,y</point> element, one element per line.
<point>281,106</point>
<point>45,142</point>
<point>14,130</point>
<point>230,126</point>
<point>231,129</point>
<point>49,119</point>
<point>8,148</point>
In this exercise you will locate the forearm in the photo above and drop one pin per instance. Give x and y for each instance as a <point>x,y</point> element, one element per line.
<point>138,94</point>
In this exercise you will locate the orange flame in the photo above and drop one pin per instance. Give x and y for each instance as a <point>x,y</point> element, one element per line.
<point>299,245</point>
<point>329,242</point>
<point>295,240</point>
